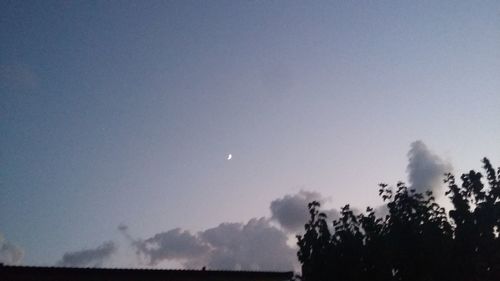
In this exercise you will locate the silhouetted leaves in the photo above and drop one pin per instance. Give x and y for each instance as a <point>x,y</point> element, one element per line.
<point>416,240</point>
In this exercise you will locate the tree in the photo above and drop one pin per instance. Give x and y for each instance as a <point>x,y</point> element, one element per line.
<point>416,240</point>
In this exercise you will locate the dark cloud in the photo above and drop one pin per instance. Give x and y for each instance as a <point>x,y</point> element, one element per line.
<point>89,257</point>
<point>123,227</point>
<point>425,169</point>
<point>10,253</point>
<point>291,211</point>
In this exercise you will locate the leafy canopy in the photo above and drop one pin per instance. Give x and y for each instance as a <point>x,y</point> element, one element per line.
<point>416,240</point>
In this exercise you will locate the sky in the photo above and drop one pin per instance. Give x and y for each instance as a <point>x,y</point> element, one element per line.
<point>117,119</point>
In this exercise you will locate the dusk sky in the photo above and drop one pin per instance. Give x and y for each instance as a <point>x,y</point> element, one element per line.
<point>117,119</point>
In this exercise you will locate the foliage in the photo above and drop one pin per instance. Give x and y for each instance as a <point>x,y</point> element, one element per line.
<point>415,240</point>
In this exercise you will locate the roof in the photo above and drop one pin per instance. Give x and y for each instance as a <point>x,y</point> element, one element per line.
<point>28,273</point>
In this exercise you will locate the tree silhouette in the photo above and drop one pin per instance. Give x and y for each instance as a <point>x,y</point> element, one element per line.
<point>416,240</point>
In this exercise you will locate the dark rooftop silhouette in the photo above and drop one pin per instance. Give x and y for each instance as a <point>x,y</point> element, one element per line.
<point>29,273</point>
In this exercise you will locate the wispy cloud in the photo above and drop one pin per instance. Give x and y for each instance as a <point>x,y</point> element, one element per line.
<point>9,252</point>
<point>89,257</point>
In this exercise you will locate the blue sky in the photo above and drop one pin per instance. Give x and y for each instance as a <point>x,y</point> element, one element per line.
<point>124,112</point>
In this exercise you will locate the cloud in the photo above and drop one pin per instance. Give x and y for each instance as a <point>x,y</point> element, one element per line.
<point>173,244</point>
<point>260,243</point>
<point>291,211</point>
<point>425,169</point>
<point>123,227</point>
<point>10,253</point>
<point>89,257</point>
<point>256,245</point>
